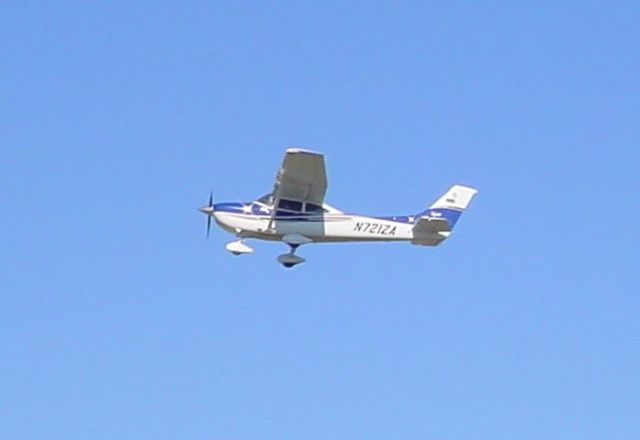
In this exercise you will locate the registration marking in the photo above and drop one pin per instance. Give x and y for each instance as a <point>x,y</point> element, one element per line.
<point>375,228</point>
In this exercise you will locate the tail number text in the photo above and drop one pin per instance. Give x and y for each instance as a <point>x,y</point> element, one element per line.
<point>375,228</point>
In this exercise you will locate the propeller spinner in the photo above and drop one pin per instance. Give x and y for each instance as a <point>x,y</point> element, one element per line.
<point>208,210</point>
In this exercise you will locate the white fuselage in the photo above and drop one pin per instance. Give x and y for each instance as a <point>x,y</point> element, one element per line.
<point>327,227</point>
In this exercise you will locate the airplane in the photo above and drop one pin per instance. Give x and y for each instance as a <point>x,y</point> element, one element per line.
<point>296,214</point>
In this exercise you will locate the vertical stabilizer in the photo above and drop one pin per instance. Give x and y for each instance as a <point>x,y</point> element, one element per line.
<point>458,197</point>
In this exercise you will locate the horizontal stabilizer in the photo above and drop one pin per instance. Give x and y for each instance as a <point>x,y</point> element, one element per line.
<point>431,225</point>
<point>434,225</point>
<point>430,231</point>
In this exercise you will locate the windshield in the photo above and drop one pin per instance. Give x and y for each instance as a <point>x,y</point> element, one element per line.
<point>266,199</point>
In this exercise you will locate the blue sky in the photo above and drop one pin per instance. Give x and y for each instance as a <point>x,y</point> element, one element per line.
<point>119,320</point>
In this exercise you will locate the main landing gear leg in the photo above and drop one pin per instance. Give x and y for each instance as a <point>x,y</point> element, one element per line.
<point>294,241</point>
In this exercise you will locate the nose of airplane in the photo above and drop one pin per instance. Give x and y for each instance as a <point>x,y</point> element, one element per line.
<point>208,210</point>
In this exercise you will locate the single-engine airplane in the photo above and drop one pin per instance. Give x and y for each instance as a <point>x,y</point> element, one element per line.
<point>295,213</point>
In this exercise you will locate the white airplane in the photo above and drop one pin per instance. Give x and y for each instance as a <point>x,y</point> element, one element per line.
<point>295,213</point>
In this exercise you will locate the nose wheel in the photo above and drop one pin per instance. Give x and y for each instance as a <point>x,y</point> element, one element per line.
<point>238,248</point>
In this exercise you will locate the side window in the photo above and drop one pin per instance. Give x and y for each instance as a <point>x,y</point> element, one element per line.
<point>312,207</point>
<point>291,205</point>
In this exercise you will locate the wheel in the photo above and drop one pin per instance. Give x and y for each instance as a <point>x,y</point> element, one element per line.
<point>290,260</point>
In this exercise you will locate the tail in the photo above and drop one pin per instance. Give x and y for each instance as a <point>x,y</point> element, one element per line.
<point>435,224</point>
<point>458,197</point>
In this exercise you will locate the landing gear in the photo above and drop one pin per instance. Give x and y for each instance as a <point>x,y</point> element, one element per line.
<point>238,248</point>
<point>288,260</point>
<point>291,259</point>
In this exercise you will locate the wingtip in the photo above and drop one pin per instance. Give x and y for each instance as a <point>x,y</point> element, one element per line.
<point>467,188</point>
<point>295,150</point>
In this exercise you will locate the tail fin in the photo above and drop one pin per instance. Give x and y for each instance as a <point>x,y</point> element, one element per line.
<point>451,204</point>
<point>435,224</point>
<point>458,197</point>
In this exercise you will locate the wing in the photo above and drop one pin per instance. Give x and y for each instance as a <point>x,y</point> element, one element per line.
<point>302,177</point>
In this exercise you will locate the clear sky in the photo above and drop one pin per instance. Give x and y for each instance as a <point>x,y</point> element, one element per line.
<point>118,319</point>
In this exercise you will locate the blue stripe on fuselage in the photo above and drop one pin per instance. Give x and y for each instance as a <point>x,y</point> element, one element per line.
<point>452,215</point>
<point>254,210</point>
<point>395,218</point>
<point>229,207</point>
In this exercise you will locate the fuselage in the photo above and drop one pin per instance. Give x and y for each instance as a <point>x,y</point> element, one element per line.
<point>257,220</point>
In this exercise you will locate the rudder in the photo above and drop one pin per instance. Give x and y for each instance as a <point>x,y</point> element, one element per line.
<point>458,197</point>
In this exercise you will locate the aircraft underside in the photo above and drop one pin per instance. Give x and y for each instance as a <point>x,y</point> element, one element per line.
<point>334,229</point>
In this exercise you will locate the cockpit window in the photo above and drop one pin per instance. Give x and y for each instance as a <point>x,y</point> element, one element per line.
<point>312,207</point>
<point>266,199</point>
<point>291,205</point>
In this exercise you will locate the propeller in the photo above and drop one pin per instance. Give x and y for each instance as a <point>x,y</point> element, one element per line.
<point>208,210</point>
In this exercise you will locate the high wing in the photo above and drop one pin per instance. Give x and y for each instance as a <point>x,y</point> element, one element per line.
<point>302,177</point>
